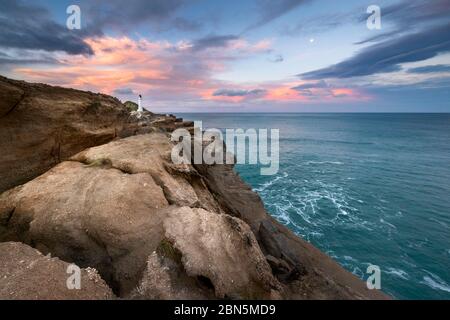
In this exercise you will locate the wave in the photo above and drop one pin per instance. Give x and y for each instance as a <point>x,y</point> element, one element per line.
<point>306,204</point>
<point>442,223</point>
<point>349,258</point>
<point>434,282</point>
<point>387,223</point>
<point>398,272</point>
<point>267,184</point>
<point>326,141</point>
<point>324,162</point>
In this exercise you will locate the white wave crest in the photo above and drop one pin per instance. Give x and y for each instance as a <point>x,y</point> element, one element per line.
<point>433,281</point>
<point>398,272</point>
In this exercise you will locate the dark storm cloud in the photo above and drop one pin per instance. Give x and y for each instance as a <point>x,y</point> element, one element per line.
<point>213,41</point>
<point>431,69</point>
<point>271,10</point>
<point>31,27</point>
<point>388,55</point>
<point>238,93</point>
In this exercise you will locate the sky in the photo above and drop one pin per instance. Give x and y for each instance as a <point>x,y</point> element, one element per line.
<point>237,56</point>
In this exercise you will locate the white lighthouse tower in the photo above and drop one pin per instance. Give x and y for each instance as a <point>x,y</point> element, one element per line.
<point>140,109</point>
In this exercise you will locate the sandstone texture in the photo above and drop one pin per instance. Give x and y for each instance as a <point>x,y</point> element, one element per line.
<point>26,274</point>
<point>41,126</point>
<point>89,182</point>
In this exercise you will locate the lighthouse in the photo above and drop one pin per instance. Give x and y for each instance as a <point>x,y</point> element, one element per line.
<point>140,109</point>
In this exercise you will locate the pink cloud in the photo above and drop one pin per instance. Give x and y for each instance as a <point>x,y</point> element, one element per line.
<point>167,72</point>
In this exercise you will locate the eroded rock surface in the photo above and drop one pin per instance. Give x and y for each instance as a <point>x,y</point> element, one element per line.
<point>112,206</point>
<point>222,249</point>
<point>26,274</point>
<point>146,154</point>
<point>41,125</point>
<point>112,200</point>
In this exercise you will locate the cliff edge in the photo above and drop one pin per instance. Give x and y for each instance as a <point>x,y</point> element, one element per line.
<point>86,181</point>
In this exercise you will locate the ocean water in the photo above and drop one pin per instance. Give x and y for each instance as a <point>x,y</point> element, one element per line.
<point>364,188</point>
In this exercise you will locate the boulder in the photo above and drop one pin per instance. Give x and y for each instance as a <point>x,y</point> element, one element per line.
<point>165,279</point>
<point>91,216</point>
<point>222,249</point>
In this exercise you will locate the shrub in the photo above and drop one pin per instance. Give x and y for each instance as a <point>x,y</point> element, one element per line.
<point>131,106</point>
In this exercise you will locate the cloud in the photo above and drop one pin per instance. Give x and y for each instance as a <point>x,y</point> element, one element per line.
<point>270,10</point>
<point>430,69</point>
<point>397,19</point>
<point>183,24</point>
<point>313,92</point>
<point>278,58</point>
<point>380,37</point>
<point>227,45</point>
<point>320,24</point>
<point>321,90</point>
<point>26,57</point>
<point>311,85</point>
<point>419,11</point>
<point>388,55</point>
<point>162,71</point>
<point>213,41</point>
<point>159,15</point>
<point>409,15</point>
<point>31,27</point>
<point>169,76</point>
<point>124,91</point>
<point>238,93</point>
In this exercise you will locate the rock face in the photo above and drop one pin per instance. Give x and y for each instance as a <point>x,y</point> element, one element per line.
<point>41,126</point>
<point>112,206</point>
<point>222,249</point>
<point>152,229</point>
<point>27,274</point>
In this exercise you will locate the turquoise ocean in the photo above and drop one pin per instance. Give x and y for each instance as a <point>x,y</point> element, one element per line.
<point>364,188</point>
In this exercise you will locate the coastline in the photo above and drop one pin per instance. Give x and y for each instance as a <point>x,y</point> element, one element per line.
<point>59,134</point>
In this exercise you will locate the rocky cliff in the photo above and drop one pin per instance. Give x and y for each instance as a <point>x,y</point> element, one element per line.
<point>87,182</point>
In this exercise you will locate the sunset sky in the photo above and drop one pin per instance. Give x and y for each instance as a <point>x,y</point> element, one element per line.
<point>237,56</point>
